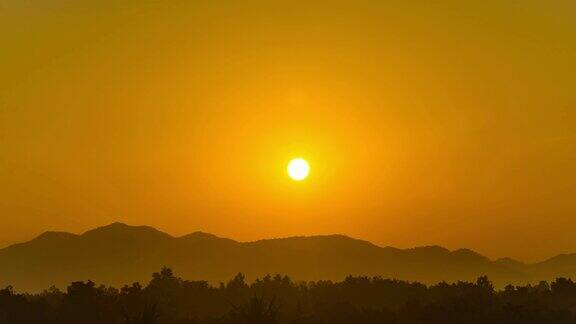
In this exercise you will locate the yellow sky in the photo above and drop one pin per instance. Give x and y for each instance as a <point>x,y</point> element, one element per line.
<point>424,122</point>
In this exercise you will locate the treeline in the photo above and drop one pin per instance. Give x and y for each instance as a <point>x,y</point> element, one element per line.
<point>278,299</point>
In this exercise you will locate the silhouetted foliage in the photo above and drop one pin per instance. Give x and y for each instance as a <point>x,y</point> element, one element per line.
<point>278,299</point>
<point>148,316</point>
<point>256,311</point>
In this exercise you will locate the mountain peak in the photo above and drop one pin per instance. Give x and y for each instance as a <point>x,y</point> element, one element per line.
<point>202,236</point>
<point>470,255</point>
<point>318,243</point>
<point>54,235</point>
<point>121,229</point>
<point>432,249</point>
<point>509,262</point>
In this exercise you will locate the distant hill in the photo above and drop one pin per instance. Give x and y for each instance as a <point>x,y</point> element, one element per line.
<point>118,254</point>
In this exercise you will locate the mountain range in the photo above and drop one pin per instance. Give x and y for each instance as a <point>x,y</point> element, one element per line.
<point>119,254</point>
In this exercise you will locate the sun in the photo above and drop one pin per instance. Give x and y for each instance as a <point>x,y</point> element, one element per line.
<point>298,169</point>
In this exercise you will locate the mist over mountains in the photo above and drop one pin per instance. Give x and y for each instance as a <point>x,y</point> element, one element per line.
<point>119,254</point>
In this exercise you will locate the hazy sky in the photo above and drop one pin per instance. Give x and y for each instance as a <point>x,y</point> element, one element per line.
<point>425,122</point>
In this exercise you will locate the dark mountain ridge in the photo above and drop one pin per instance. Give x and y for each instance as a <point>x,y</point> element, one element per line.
<point>118,254</point>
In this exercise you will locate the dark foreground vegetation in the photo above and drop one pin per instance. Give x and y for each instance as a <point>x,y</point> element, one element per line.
<point>277,299</point>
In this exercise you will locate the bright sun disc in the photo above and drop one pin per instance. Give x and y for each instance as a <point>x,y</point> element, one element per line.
<point>298,169</point>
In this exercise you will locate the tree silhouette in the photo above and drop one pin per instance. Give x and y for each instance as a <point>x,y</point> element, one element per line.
<point>148,316</point>
<point>277,299</point>
<point>257,310</point>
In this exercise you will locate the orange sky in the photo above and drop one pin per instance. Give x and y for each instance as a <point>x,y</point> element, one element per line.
<point>449,123</point>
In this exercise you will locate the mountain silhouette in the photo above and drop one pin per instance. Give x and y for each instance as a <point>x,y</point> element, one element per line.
<point>119,254</point>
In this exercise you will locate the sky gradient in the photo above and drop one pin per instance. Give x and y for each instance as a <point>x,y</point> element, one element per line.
<point>424,122</point>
